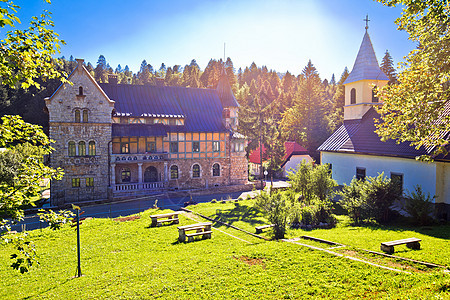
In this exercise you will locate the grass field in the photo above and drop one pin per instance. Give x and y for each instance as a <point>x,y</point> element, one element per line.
<point>129,260</point>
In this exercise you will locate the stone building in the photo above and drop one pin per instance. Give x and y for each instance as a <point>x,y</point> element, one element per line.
<point>118,140</point>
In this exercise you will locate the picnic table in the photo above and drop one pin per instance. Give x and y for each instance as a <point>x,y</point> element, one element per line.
<point>412,243</point>
<point>157,220</point>
<point>203,229</point>
<point>259,229</point>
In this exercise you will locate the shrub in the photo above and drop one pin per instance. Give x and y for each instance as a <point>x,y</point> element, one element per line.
<point>213,201</point>
<point>352,200</point>
<point>419,206</point>
<point>379,193</point>
<point>309,215</point>
<point>276,210</point>
<point>295,215</point>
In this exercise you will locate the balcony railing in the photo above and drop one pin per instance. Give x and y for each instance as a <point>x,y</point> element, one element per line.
<point>126,187</point>
<point>139,157</point>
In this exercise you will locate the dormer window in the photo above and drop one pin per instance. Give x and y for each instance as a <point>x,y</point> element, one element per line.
<point>353,96</point>
<point>77,116</point>
<point>80,91</point>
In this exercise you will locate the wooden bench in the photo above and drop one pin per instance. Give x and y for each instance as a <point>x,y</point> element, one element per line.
<point>203,229</point>
<point>412,243</point>
<point>157,220</point>
<point>259,229</point>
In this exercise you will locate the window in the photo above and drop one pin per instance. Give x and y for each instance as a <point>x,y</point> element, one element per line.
<point>195,146</point>
<point>91,149</point>
<point>89,182</point>
<point>151,146</point>
<point>173,172</point>
<point>125,147</point>
<point>397,179</point>
<point>75,182</point>
<point>216,146</point>
<point>216,169</point>
<point>196,171</point>
<point>353,96</point>
<point>330,169</point>
<point>174,147</point>
<point>374,95</point>
<point>77,116</point>
<point>85,116</point>
<point>80,91</point>
<point>72,149</point>
<point>126,175</point>
<point>360,173</point>
<point>81,148</point>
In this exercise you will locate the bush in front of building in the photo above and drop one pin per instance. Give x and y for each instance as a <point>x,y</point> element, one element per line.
<point>419,206</point>
<point>276,208</point>
<point>370,199</point>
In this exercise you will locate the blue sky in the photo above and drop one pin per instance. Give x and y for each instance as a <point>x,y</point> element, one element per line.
<point>281,34</point>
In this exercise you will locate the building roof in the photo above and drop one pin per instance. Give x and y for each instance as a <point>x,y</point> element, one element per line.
<point>201,108</point>
<point>225,92</point>
<point>358,136</point>
<point>291,148</point>
<point>366,64</point>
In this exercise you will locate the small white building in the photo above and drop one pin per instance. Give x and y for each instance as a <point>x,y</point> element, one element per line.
<point>294,155</point>
<point>355,150</point>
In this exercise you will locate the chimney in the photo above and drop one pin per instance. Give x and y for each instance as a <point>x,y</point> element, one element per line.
<point>80,63</point>
<point>112,78</point>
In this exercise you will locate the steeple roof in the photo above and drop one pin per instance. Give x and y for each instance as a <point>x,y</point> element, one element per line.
<point>225,92</point>
<point>366,64</point>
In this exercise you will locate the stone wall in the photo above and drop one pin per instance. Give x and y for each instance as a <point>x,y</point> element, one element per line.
<point>63,129</point>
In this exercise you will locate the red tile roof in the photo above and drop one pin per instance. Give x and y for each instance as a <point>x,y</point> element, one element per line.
<point>291,148</point>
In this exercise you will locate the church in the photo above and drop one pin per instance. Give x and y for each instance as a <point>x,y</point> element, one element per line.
<point>355,150</point>
<point>121,140</point>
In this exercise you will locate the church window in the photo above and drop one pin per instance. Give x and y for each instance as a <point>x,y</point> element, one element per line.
<point>124,147</point>
<point>85,116</point>
<point>90,182</point>
<point>72,149</point>
<point>80,91</point>
<point>174,172</point>
<point>397,179</point>
<point>216,146</point>
<point>75,182</point>
<point>216,169</point>
<point>360,173</point>
<point>196,171</point>
<point>353,96</point>
<point>174,147</point>
<point>195,146</point>
<point>374,95</point>
<point>81,148</point>
<point>126,175</point>
<point>151,146</point>
<point>77,116</point>
<point>91,148</point>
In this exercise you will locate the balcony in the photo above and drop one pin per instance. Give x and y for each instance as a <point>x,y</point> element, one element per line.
<point>138,157</point>
<point>143,186</point>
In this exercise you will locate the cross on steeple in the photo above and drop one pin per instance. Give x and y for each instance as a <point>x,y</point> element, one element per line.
<point>367,22</point>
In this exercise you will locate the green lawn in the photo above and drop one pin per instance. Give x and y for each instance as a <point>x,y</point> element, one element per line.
<point>126,260</point>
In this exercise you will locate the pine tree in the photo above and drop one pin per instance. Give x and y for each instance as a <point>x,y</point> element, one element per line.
<point>387,66</point>
<point>333,80</point>
<point>101,70</point>
<point>144,75</point>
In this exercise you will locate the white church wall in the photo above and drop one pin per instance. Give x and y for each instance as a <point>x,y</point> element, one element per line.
<point>414,172</point>
<point>443,182</point>
<point>294,161</point>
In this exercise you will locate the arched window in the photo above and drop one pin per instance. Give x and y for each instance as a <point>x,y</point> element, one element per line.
<point>151,174</point>
<point>374,95</point>
<point>81,148</point>
<point>174,172</point>
<point>91,149</point>
<point>353,96</point>
<point>72,149</point>
<point>125,176</point>
<point>216,169</point>
<point>77,116</point>
<point>196,171</point>
<point>85,116</point>
<point>80,91</point>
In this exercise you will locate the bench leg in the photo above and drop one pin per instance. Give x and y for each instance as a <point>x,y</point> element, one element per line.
<point>154,223</point>
<point>190,238</point>
<point>181,236</point>
<point>388,249</point>
<point>258,231</point>
<point>414,245</point>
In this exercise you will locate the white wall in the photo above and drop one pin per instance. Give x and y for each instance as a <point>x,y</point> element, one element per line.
<point>414,172</point>
<point>443,182</point>
<point>294,161</point>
